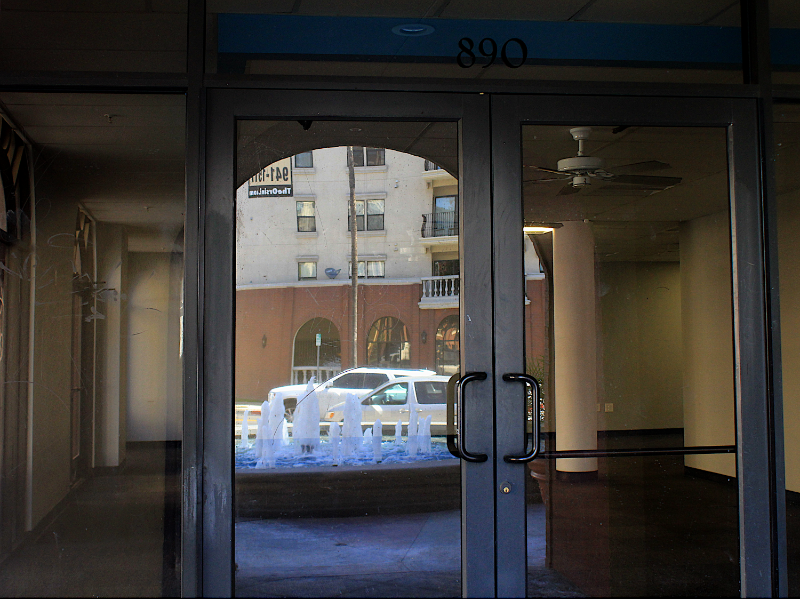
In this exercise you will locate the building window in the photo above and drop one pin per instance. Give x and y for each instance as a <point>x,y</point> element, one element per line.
<point>387,343</point>
<point>306,270</point>
<point>447,346</point>
<point>445,268</point>
<point>305,216</point>
<point>374,216</point>
<point>304,160</point>
<point>368,268</point>
<point>368,157</point>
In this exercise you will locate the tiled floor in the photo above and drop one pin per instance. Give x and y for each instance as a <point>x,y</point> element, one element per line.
<point>644,528</point>
<point>118,537</point>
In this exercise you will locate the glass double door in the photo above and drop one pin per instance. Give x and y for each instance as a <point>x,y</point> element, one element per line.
<point>562,417</point>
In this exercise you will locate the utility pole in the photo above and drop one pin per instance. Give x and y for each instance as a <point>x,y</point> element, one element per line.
<point>353,258</point>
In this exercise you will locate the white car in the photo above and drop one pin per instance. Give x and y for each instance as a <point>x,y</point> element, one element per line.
<point>359,381</point>
<point>395,401</point>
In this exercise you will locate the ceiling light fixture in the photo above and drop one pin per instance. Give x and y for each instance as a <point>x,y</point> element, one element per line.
<point>536,229</point>
<point>413,30</point>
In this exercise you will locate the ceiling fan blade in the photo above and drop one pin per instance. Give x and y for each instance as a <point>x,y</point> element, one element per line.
<point>640,167</point>
<point>543,169</point>
<point>619,190</point>
<point>568,189</point>
<point>547,180</point>
<point>654,182</point>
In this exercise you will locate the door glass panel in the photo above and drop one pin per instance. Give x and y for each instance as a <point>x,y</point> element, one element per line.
<point>344,484</point>
<point>787,159</point>
<point>629,328</point>
<point>697,42</point>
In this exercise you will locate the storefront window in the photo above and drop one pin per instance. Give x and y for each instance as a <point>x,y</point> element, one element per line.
<point>92,257</point>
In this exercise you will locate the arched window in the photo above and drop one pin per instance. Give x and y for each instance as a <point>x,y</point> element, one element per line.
<point>304,363</point>
<point>387,343</point>
<point>447,346</point>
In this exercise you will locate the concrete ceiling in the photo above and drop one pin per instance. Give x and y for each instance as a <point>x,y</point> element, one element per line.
<point>120,155</point>
<point>630,223</point>
<point>686,12</point>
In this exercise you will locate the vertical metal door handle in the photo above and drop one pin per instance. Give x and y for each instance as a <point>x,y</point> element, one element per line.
<point>451,419</point>
<point>531,454</point>
<point>455,443</point>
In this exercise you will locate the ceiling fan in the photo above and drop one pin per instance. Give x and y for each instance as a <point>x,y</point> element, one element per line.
<point>582,171</point>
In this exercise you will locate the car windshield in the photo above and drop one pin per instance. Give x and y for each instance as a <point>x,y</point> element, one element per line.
<point>392,395</point>
<point>349,380</point>
<point>431,392</point>
<point>359,381</point>
<point>373,380</point>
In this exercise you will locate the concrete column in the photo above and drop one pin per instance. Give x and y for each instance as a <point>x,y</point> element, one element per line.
<point>575,344</point>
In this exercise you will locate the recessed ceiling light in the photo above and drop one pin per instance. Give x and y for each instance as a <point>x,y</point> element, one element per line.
<point>413,29</point>
<point>355,129</point>
<point>534,229</point>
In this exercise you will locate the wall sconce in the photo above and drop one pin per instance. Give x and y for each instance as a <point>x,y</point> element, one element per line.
<point>424,337</point>
<point>264,341</point>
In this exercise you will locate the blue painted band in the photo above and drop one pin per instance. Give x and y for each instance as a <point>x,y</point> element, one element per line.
<point>371,38</point>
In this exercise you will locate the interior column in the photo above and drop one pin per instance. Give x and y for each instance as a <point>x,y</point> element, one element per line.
<point>575,344</point>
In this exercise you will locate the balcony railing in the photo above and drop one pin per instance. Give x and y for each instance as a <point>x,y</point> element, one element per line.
<point>440,290</point>
<point>301,375</point>
<point>431,166</point>
<point>439,224</point>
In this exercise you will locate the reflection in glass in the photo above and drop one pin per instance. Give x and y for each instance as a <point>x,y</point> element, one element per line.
<point>91,318</point>
<point>787,158</point>
<point>343,478</point>
<point>632,228</point>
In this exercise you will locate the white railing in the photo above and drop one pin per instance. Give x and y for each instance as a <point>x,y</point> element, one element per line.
<point>301,375</point>
<point>440,290</point>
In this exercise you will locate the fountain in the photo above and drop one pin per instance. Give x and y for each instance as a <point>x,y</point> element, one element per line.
<point>333,436</point>
<point>243,442</point>
<point>305,426</point>
<point>412,445</point>
<point>424,435</point>
<point>377,438</point>
<point>351,426</point>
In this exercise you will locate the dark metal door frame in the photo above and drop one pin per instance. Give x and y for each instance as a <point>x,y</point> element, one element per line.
<point>760,502</point>
<point>224,107</point>
<point>493,549</point>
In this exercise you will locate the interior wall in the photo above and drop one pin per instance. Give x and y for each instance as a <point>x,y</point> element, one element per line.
<point>112,336</point>
<point>789,265</point>
<point>640,305</point>
<point>706,296</point>
<point>49,426</point>
<point>154,414</point>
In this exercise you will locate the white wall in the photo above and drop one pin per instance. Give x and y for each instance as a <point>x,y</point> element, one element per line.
<point>708,392</point>
<point>268,243</point>
<point>153,409</point>
<point>49,433</point>
<point>112,345</point>
<point>640,312</point>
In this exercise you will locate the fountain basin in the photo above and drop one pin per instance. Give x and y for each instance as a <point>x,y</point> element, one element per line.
<point>348,491</point>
